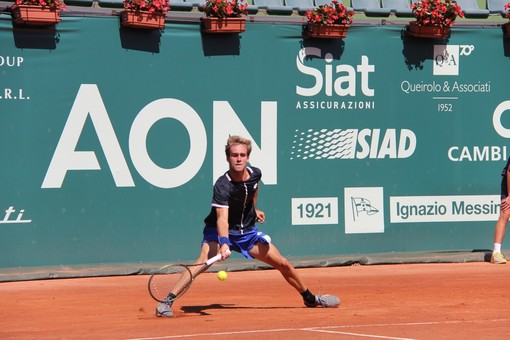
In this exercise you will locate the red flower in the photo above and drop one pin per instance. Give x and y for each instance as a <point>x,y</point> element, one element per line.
<point>152,6</point>
<point>53,4</point>
<point>333,13</point>
<point>225,8</point>
<point>436,12</point>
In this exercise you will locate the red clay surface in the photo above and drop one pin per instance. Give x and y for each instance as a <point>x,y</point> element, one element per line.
<point>411,301</point>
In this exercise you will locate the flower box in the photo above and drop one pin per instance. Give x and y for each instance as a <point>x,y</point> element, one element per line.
<point>223,25</point>
<point>35,15</point>
<point>329,20</point>
<point>333,31</point>
<point>142,19</point>
<point>435,32</point>
<point>434,18</point>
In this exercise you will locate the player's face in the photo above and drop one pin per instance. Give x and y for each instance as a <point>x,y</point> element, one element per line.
<point>238,158</point>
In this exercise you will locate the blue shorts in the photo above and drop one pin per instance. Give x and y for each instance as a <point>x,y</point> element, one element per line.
<point>241,243</point>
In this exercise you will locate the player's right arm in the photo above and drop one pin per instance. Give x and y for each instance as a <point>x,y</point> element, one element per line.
<point>222,227</point>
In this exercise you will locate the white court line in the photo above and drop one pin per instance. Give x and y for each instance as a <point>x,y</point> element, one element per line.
<point>325,328</point>
<point>221,333</point>
<point>425,323</point>
<point>359,334</point>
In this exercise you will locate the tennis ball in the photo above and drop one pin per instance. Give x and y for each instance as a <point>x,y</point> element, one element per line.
<point>222,275</point>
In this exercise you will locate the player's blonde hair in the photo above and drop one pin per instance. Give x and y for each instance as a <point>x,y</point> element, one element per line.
<point>237,140</point>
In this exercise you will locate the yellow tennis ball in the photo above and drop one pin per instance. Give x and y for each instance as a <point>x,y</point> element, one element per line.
<point>222,275</point>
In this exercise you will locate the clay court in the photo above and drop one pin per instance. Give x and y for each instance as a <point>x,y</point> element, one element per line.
<point>397,301</point>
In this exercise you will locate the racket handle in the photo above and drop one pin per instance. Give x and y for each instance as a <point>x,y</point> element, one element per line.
<point>215,259</point>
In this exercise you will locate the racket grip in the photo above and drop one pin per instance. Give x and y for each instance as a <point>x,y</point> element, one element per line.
<point>215,259</point>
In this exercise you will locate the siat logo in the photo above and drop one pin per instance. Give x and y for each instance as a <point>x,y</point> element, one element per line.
<point>446,58</point>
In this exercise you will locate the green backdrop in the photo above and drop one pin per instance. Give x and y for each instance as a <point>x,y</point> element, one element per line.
<point>111,138</point>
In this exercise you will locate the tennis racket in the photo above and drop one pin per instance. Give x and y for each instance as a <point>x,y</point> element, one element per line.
<point>171,281</point>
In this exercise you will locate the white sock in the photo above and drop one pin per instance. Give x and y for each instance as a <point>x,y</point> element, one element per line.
<point>497,247</point>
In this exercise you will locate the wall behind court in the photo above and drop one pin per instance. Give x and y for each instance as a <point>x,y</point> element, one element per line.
<point>112,138</point>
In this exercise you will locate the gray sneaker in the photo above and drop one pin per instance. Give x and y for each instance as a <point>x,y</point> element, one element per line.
<point>326,301</point>
<point>163,309</point>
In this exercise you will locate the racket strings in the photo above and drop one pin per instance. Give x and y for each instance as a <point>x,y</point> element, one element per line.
<point>170,283</point>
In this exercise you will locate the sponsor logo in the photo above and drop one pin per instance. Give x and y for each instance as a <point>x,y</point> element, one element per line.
<point>353,144</point>
<point>412,209</point>
<point>364,210</point>
<point>11,61</point>
<point>88,105</point>
<point>486,153</point>
<point>446,62</point>
<point>361,205</point>
<point>447,58</point>
<point>334,81</point>
<point>11,216</point>
<point>314,210</point>
<point>477,153</point>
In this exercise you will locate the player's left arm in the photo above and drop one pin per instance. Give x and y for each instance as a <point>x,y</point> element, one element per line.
<point>261,217</point>
<point>222,227</point>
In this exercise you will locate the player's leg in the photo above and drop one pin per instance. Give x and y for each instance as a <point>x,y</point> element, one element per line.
<point>500,229</point>
<point>210,247</point>
<point>499,232</point>
<point>499,235</point>
<point>269,253</point>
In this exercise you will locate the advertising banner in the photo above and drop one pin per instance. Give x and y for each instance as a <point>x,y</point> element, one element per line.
<point>113,137</point>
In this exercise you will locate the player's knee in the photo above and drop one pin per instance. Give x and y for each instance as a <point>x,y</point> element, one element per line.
<point>283,265</point>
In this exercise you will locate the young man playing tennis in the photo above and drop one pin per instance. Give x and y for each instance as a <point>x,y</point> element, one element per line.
<point>230,224</point>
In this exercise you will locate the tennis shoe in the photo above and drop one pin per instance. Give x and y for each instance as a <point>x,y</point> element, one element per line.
<point>326,301</point>
<point>498,258</point>
<point>163,309</point>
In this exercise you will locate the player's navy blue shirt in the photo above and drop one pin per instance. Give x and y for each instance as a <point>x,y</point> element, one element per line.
<point>238,198</point>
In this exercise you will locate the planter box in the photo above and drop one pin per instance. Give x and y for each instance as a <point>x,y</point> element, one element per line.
<point>327,31</point>
<point>35,15</point>
<point>223,25</point>
<point>142,19</point>
<point>435,32</point>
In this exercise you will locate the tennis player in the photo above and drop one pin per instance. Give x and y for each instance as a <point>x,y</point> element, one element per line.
<point>231,225</point>
<point>500,230</point>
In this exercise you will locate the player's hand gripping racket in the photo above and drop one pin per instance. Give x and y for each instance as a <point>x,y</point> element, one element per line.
<point>171,281</point>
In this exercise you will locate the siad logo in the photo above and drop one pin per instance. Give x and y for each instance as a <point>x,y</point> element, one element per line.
<point>447,58</point>
<point>353,144</point>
